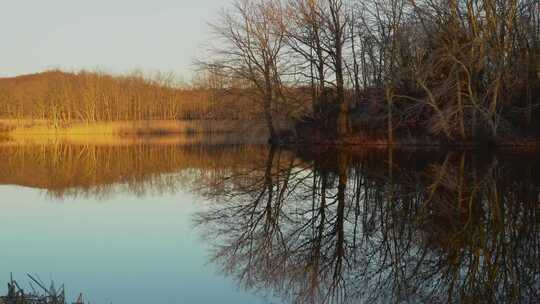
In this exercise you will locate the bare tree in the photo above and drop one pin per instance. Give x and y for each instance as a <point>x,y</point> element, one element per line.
<point>251,41</point>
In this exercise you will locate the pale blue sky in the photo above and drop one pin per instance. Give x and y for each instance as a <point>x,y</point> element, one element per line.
<point>112,35</point>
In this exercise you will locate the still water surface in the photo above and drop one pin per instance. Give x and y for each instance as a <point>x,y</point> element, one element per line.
<point>251,224</point>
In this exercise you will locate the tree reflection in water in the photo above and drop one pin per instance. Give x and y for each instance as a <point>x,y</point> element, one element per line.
<point>376,227</point>
<point>331,226</point>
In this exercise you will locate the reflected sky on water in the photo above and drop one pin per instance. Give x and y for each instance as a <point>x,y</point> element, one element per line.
<point>124,249</point>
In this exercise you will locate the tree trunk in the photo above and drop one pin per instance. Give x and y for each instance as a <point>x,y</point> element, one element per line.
<point>390,124</point>
<point>343,121</point>
<point>269,119</point>
<point>267,105</point>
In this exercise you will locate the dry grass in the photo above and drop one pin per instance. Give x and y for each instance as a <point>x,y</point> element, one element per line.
<point>41,127</point>
<point>131,132</point>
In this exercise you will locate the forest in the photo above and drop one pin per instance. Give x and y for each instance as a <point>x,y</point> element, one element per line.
<point>339,71</point>
<point>94,96</point>
<point>436,71</point>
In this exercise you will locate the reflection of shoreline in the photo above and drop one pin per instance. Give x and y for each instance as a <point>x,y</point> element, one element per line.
<point>330,226</point>
<point>154,186</point>
<point>92,170</point>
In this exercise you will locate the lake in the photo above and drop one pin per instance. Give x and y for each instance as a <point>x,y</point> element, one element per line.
<point>170,223</point>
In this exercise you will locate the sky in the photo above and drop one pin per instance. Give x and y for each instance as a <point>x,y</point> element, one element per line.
<point>116,36</point>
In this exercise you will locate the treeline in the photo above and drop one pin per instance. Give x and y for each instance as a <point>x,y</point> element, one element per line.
<point>458,70</point>
<point>93,96</point>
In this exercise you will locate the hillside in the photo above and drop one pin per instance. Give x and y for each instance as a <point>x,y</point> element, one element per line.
<point>90,96</point>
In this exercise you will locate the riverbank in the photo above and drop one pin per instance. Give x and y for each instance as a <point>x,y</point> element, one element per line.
<point>322,133</point>
<point>421,143</point>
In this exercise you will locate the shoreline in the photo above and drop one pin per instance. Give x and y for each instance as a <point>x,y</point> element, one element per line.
<point>409,143</point>
<point>196,131</point>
